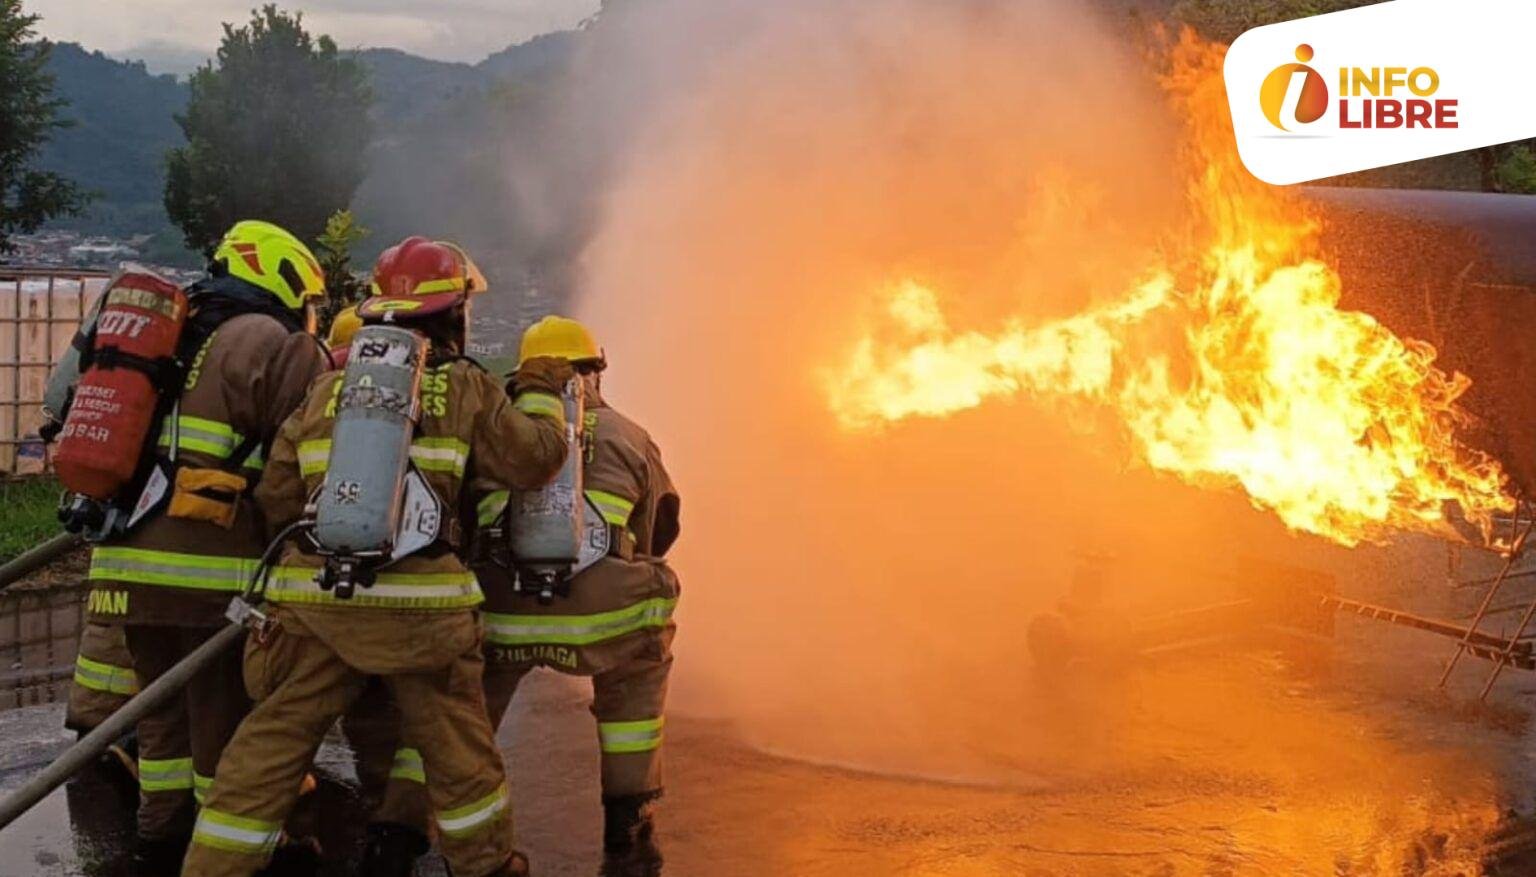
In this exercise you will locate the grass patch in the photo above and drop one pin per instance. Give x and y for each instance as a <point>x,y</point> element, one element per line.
<point>28,514</point>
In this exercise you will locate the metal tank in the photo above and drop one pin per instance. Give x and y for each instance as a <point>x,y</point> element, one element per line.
<point>546,527</point>
<point>358,510</point>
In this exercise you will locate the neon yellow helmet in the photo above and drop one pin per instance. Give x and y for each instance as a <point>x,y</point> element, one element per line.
<point>562,338</point>
<point>265,255</point>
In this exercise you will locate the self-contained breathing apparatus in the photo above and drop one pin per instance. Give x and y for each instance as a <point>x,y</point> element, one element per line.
<point>115,385</point>
<point>374,507</point>
<point>545,537</point>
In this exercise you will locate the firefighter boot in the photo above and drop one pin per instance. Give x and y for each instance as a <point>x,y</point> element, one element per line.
<point>629,837</point>
<point>159,857</point>
<point>391,850</point>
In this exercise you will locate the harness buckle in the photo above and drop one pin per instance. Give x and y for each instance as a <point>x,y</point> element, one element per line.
<point>260,624</point>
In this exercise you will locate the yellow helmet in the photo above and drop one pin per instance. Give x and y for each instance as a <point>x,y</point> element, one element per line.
<point>563,338</point>
<point>265,255</point>
<point>343,327</point>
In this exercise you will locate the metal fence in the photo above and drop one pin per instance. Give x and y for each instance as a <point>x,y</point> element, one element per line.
<point>39,632</point>
<point>40,309</point>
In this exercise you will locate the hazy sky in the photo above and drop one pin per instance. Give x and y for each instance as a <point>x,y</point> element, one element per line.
<point>162,30</point>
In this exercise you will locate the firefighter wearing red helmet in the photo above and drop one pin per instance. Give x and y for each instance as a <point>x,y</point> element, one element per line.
<point>243,359</point>
<point>414,626</point>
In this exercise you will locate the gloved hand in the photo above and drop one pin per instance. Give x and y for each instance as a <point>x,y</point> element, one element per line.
<point>544,374</point>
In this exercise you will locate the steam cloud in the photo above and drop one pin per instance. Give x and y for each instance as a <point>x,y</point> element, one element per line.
<point>766,170</point>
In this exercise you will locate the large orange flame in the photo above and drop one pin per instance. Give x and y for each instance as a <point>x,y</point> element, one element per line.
<point>1230,363</point>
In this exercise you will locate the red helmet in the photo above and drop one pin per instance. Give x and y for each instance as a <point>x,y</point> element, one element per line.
<point>417,277</point>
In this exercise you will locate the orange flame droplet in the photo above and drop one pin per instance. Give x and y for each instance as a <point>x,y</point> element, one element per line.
<point>1320,414</point>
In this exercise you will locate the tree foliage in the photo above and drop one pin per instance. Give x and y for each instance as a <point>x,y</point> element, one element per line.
<point>343,286</point>
<point>28,116</point>
<point>276,129</point>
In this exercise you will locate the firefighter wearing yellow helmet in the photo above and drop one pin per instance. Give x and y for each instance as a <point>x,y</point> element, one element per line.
<point>245,357</point>
<point>615,622</point>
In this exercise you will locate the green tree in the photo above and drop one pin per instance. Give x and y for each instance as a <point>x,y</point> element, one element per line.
<point>343,286</point>
<point>1513,168</point>
<point>276,129</point>
<point>28,116</point>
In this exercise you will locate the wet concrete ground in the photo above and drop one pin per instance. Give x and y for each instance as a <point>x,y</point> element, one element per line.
<point>1216,763</point>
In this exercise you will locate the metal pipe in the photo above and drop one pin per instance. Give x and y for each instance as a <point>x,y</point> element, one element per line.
<point>36,558</point>
<point>92,745</point>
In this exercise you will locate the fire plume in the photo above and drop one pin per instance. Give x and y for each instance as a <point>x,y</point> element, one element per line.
<point>1229,363</point>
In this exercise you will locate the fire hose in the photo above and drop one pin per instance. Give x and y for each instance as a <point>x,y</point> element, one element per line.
<point>92,745</point>
<point>36,558</point>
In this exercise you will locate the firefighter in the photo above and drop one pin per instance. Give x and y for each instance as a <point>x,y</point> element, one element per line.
<point>615,624</point>
<point>416,625</point>
<point>249,354</point>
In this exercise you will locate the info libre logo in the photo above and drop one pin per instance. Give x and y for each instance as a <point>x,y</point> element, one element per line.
<point>1296,96</point>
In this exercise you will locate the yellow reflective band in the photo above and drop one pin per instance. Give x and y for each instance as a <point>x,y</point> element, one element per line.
<point>256,460</point>
<point>200,786</point>
<point>490,508</point>
<point>165,774</point>
<point>201,435</point>
<point>617,738</point>
<point>148,567</point>
<point>440,454</point>
<point>615,509</point>
<point>577,630</point>
<point>105,677</point>
<point>235,834</point>
<point>431,454</point>
<point>314,455</point>
<point>408,766</point>
<point>446,590</point>
<point>466,820</point>
<point>539,404</point>
<point>447,284</point>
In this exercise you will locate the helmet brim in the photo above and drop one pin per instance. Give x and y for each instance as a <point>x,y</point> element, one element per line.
<point>407,307</point>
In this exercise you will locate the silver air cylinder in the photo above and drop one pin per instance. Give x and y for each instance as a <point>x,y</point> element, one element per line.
<point>358,508</point>
<point>61,383</point>
<point>545,527</point>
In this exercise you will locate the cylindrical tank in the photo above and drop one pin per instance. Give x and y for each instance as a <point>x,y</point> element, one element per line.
<point>358,509</point>
<point>117,398</point>
<point>545,526</point>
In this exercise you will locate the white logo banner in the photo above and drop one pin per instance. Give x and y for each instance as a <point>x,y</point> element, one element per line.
<point>1381,85</point>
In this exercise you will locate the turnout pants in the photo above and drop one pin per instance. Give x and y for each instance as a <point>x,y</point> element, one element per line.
<point>628,702</point>
<point>616,627</point>
<point>393,777</point>
<point>180,743</point>
<point>104,677</point>
<point>304,675</point>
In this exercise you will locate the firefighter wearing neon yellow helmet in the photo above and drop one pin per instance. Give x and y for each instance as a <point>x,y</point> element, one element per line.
<point>245,357</point>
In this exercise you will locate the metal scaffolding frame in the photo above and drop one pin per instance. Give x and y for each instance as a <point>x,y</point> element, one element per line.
<point>31,317</point>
